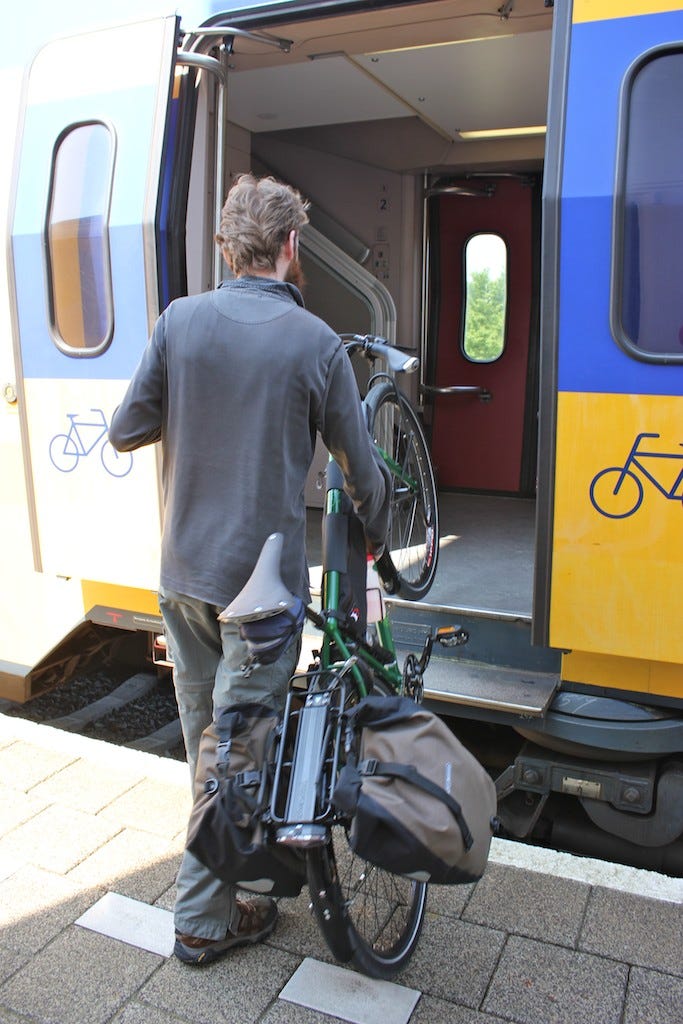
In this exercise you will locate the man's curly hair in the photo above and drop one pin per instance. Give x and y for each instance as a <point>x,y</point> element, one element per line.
<point>256,220</point>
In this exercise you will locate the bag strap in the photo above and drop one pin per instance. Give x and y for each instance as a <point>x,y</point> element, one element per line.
<point>409,773</point>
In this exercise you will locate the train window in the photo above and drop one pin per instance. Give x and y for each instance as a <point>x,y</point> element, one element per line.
<point>77,236</point>
<point>647,269</point>
<point>485,298</point>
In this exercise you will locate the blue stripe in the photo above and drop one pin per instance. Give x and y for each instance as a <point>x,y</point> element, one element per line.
<point>589,358</point>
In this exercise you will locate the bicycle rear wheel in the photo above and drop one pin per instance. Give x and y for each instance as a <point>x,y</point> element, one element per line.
<point>368,916</point>
<point>414,531</point>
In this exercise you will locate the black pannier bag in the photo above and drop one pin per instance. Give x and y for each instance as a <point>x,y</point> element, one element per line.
<point>419,803</point>
<point>231,790</point>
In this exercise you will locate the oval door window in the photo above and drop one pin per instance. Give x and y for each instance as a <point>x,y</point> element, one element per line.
<point>485,305</point>
<point>77,229</point>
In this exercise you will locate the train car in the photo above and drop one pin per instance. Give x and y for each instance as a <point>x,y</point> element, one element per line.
<point>495,187</point>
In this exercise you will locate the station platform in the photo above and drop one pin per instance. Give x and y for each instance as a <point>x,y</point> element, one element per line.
<point>90,840</point>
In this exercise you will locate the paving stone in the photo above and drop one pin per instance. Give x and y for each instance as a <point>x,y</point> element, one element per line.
<point>297,930</point>
<point>5,737</point>
<point>653,998</point>
<point>143,1013</point>
<point>537,983</point>
<point>453,960</point>
<point>282,1012</point>
<point>152,806</point>
<point>7,1017</point>
<point>80,978</point>
<point>58,838</point>
<point>10,962</point>
<point>527,903</point>
<point>131,921</point>
<point>167,899</point>
<point>236,990</point>
<point>636,929</point>
<point>450,900</point>
<point>333,989</point>
<point>35,905</point>
<point>85,786</point>
<point>438,1011</point>
<point>8,865</point>
<point>16,807</point>
<point>23,765</point>
<point>135,864</point>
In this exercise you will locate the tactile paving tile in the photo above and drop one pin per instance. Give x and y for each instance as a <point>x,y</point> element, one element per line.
<point>350,996</point>
<point>131,921</point>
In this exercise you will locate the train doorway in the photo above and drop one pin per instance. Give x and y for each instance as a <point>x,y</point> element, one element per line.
<point>482,343</point>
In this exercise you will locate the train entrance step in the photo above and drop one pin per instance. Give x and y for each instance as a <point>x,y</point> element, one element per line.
<point>497,669</point>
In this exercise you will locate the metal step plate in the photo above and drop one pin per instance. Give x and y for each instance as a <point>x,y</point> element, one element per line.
<point>514,690</point>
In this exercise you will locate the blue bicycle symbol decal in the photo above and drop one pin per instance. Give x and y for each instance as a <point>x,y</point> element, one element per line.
<point>617,492</point>
<point>83,437</point>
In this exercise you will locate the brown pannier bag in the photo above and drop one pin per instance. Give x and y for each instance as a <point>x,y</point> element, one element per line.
<point>419,803</point>
<point>231,794</point>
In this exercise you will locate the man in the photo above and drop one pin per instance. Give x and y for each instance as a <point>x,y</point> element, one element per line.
<point>235,383</point>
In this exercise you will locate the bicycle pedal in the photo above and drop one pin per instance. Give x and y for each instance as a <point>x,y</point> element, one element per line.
<point>451,636</point>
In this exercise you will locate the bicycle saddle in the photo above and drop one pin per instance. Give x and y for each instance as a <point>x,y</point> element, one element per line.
<point>264,594</point>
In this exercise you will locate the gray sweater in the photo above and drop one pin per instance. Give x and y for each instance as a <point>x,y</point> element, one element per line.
<point>235,383</point>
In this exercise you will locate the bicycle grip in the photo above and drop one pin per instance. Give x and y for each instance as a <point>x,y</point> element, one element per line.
<point>388,573</point>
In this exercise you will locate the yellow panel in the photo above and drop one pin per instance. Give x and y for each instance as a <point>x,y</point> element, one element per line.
<point>128,599</point>
<point>603,10</point>
<point>658,677</point>
<point>616,582</point>
<point>667,679</point>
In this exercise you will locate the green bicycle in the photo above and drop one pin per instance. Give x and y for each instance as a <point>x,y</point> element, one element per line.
<point>368,916</point>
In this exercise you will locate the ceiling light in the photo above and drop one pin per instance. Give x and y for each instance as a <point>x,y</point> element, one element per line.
<point>503,133</point>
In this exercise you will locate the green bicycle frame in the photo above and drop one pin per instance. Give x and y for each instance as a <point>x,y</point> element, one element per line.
<point>397,470</point>
<point>332,632</point>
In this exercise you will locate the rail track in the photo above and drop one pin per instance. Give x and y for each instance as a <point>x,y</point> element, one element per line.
<point>133,709</point>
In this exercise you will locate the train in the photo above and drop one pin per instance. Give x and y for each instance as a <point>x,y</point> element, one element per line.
<point>496,187</point>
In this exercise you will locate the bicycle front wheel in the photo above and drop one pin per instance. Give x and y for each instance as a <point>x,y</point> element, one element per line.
<point>367,915</point>
<point>414,530</point>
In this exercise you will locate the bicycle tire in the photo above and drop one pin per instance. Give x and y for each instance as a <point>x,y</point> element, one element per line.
<point>414,530</point>
<point>368,916</point>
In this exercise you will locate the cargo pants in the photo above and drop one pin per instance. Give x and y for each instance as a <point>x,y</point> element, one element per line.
<point>207,655</point>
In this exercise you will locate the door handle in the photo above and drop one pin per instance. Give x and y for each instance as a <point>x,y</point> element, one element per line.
<point>483,394</point>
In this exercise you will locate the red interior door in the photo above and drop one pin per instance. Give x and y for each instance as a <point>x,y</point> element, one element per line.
<point>479,445</point>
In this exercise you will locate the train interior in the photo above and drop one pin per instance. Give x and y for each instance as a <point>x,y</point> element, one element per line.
<point>418,136</point>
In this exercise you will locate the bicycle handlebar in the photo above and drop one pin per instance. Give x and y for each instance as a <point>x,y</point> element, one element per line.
<point>372,347</point>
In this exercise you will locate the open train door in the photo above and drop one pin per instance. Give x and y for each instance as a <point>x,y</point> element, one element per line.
<point>83,267</point>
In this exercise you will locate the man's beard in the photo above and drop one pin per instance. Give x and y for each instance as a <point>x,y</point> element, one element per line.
<point>295,274</point>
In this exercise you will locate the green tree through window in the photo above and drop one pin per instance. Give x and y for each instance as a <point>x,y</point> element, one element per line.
<point>485,298</point>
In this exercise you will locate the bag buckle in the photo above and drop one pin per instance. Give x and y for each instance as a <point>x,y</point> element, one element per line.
<point>223,751</point>
<point>369,767</point>
<point>248,777</point>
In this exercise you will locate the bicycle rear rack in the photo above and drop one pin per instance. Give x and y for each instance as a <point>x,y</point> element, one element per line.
<point>308,759</point>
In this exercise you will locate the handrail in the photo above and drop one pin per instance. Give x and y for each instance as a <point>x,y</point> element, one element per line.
<point>210,33</point>
<point>200,60</point>
<point>483,394</point>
